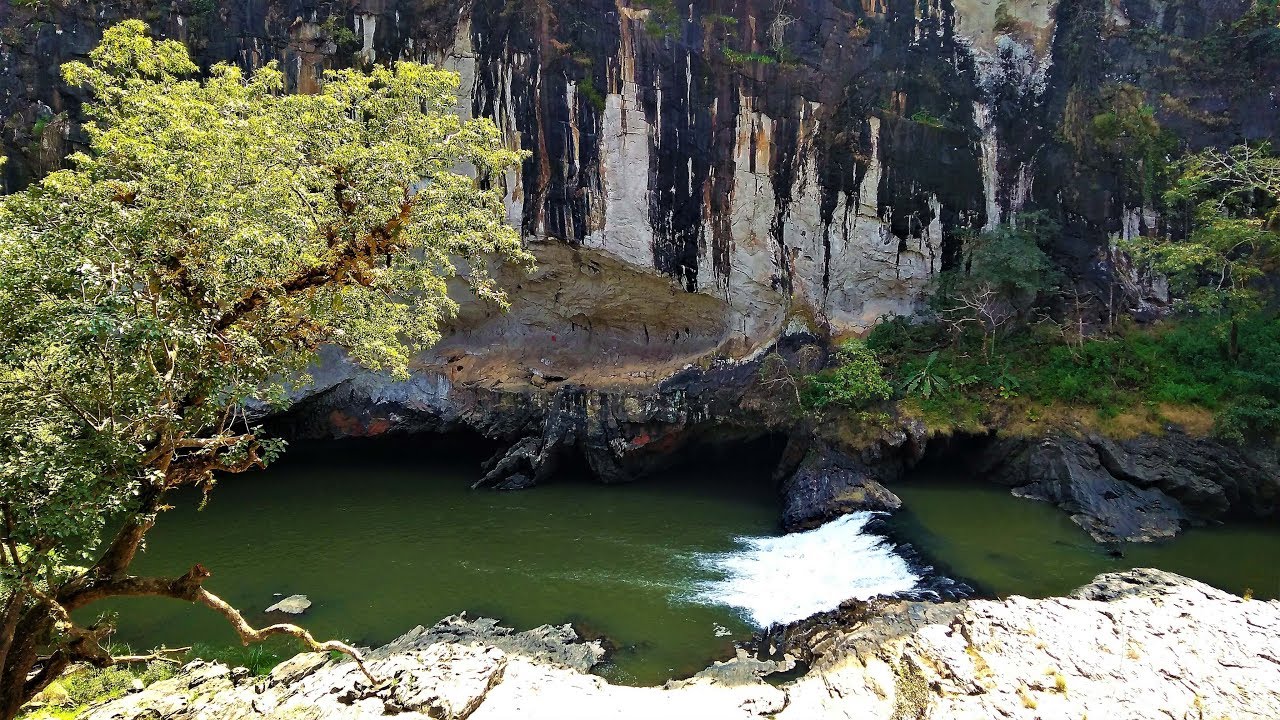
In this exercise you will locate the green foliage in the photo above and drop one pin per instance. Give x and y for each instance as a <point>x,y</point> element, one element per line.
<point>740,58</point>
<point>664,18</point>
<point>1182,362</point>
<point>716,19</point>
<point>926,379</point>
<point>200,252</point>
<point>1012,258</point>
<point>587,88</point>
<point>85,685</point>
<point>1005,271</point>
<point>215,235</point>
<point>1234,199</point>
<point>1117,131</point>
<point>201,7</point>
<point>257,659</point>
<point>855,382</point>
<point>1257,33</point>
<point>1130,135</point>
<point>342,36</point>
<point>924,117</point>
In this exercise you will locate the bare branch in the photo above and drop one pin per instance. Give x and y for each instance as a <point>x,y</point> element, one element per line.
<point>189,587</point>
<point>157,655</point>
<point>249,635</point>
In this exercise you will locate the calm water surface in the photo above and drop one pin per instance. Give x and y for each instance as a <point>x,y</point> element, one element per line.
<point>385,538</point>
<point>1007,545</point>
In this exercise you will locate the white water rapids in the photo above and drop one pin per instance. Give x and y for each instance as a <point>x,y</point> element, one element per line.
<point>783,579</point>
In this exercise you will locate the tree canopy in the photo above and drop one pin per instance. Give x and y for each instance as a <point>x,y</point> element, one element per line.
<point>217,232</point>
<point>1220,266</point>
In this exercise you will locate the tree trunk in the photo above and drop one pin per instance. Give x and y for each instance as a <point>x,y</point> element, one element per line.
<point>15,687</point>
<point>1233,345</point>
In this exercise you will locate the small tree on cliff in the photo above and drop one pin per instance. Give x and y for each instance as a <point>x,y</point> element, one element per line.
<point>217,233</point>
<point>1005,271</point>
<point>1221,266</point>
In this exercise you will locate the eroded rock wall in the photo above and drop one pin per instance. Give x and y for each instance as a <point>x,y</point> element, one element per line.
<point>786,158</point>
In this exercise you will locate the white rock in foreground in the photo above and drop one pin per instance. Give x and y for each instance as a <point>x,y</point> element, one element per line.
<point>294,605</point>
<point>1135,645</point>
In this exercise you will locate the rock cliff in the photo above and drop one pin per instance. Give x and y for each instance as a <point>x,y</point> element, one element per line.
<point>713,180</point>
<point>1136,645</point>
<point>775,158</point>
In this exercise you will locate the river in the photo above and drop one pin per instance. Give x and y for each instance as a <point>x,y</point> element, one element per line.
<point>383,536</point>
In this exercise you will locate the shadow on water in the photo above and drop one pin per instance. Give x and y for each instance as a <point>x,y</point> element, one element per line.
<point>383,535</point>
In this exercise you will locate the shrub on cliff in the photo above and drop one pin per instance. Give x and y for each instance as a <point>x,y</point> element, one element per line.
<point>856,381</point>
<point>1220,267</point>
<point>1004,272</point>
<point>216,234</point>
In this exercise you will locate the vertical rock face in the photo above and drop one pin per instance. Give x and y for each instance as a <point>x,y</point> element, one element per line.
<point>814,157</point>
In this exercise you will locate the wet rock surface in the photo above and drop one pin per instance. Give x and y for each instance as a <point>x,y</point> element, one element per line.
<point>829,483</point>
<point>1141,644</point>
<point>1138,490</point>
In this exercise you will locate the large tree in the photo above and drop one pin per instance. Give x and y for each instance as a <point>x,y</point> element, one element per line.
<point>215,235</point>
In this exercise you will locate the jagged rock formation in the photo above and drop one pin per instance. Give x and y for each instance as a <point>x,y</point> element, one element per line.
<point>829,483</point>
<point>1138,490</point>
<point>1139,644</point>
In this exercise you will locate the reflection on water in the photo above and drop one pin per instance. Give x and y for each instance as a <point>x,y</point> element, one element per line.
<point>1007,545</point>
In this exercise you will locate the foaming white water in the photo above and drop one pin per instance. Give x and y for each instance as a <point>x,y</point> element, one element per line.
<point>784,579</point>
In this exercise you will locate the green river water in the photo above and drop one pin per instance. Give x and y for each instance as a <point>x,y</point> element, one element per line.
<point>1010,546</point>
<point>383,537</point>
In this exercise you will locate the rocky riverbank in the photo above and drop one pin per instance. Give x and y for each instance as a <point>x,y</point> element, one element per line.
<point>1132,489</point>
<point>1139,644</point>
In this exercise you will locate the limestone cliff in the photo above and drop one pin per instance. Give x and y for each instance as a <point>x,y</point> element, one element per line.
<point>775,157</point>
<point>710,180</point>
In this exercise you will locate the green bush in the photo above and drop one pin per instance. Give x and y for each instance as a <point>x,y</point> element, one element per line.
<point>1182,361</point>
<point>741,58</point>
<point>855,382</point>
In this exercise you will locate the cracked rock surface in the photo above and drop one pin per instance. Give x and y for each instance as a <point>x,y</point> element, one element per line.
<point>1139,644</point>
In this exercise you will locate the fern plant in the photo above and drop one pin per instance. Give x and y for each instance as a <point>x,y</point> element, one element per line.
<point>926,380</point>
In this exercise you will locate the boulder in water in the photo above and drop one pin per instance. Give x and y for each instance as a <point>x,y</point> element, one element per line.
<point>294,605</point>
<point>828,484</point>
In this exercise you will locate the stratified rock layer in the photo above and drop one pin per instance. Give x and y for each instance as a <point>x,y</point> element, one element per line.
<point>1136,645</point>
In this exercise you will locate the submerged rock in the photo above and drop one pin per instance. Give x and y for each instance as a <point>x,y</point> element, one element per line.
<point>294,605</point>
<point>1140,645</point>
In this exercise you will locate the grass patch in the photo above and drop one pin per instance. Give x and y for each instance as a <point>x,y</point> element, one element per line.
<point>71,694</point>
<point>740,58</point>
<point>258,659</point>
<point>924,117</point>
